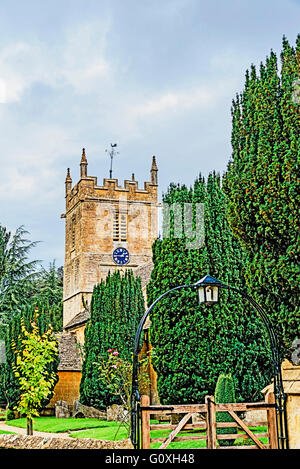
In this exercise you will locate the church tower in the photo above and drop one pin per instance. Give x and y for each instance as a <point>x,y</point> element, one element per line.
<point>107,227</point>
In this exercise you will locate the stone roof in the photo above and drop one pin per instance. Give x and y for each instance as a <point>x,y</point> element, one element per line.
<point>78,320</point>
<point>69,352</point>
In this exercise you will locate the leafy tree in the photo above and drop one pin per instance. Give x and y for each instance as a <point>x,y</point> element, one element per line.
<point>15,335</point>
<point>24,282</point>
<point>116,307</point>
<point>261,185</point>
<point>225,393</point>
<point>34,357</point>
<point>17,273</point>
<point>194,344</point>
<point>49,294</point>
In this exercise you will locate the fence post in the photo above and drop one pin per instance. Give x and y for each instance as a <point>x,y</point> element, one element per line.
<point>145,420</point>
<point>272,426</point>
<point>211,430</point>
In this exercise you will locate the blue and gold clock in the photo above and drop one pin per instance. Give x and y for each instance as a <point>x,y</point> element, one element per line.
<point>121,256</point>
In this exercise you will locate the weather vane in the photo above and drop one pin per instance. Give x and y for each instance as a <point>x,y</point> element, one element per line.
<point>112,153</point>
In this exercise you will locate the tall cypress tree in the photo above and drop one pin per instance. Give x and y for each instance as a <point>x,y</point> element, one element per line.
<point>261,185</point>
<point>116,308</point>
<point>194,344</point>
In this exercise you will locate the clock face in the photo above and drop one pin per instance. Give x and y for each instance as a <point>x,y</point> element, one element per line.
<point>121,256</point>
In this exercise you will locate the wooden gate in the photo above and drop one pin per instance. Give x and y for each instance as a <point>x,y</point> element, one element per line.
<point>206,426</point>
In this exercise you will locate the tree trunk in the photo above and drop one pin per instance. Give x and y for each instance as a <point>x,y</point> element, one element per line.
<point>29,427</point>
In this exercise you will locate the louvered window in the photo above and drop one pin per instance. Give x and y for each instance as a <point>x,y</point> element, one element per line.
<point>120,225</point>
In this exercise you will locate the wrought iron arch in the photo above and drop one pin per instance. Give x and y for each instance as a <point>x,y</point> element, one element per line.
<point>280,396</point>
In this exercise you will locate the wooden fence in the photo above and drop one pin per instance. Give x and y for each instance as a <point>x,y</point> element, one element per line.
<point>206,427</point>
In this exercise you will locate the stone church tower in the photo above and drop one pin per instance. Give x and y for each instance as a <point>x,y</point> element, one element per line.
<point>107,227</point>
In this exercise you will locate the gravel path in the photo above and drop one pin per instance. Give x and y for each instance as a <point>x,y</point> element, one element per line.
<point>22,431</point>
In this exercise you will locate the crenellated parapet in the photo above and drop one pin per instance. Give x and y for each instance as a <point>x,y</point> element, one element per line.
<point>87,187</point>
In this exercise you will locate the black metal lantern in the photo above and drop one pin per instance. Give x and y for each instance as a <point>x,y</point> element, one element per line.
<point>208,290</point>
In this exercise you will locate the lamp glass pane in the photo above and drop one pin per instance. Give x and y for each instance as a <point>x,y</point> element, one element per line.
<point>215,294</point>
<point>212,294</point>
<point>201,294</point>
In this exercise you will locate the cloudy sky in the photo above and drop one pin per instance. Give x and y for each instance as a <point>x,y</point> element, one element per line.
<point>155,76</point>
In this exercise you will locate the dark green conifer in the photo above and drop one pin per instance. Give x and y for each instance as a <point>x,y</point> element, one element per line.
<point>194,344</point>
<point>116,307</point>
<point>261,185</point>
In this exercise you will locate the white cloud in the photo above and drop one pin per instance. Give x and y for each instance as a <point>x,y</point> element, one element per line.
<point>200,97</point>
<point>30,169</point>
<point>83,56</point>
<point>79,62</point>
<point>173,102</point>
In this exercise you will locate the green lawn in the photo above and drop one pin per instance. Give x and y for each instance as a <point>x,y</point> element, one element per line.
<point>103,430</point>
<point>107,431</point>
<point>3,432</point>
<point>54,425</point>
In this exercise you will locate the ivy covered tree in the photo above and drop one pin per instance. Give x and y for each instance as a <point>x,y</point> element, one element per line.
<point>261,185</point>
<point>116,307</point>
<point>195,344</point>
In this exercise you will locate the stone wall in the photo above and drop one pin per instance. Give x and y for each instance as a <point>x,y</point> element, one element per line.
<point>67,388</point>
<point>37,442</point>
<point>291,385</point>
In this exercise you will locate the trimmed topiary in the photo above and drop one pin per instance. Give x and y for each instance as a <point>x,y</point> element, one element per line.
<point>225,393</point>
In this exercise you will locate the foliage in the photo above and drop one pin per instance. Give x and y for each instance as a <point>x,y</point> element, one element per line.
<point>225,393</point>
<point>116,373</point>
<point>24,282</point>
<point>15,335</point>
<point>17,273</point>
<point>261,185</point>
<point>2,382</point>
<point>10,415</point>
<point>48,294</point>
<point>193,343</point>
<point>116,307</point>
<point>36,353</point>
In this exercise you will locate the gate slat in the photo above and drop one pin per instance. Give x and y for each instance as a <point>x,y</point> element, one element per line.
<point>181,424</point>
<point>145,430</point>
<point>272,427</point>
<point>246,429</point>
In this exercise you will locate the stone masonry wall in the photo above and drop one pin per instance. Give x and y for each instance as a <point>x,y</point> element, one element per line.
<point>37,442</point>
<point>67,388</point>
